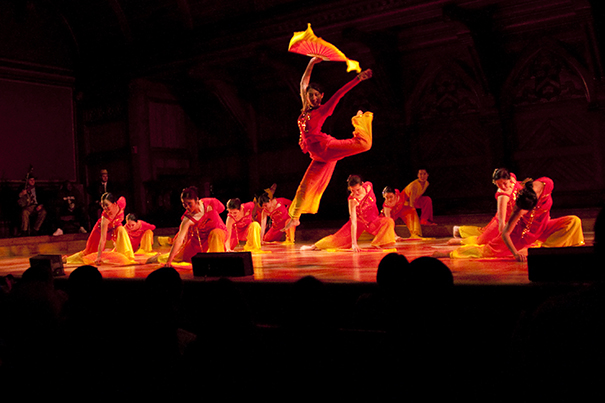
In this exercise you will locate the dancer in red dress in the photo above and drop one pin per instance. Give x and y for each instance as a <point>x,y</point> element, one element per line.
<point>109,226</point>
<point>275,208</point>
<point>394,206</point>
<point>324,149</point>
<point>363,213</point>
<point>140,234</point>
<point>241,226</point>
<point>201,229</point>
<point>529,225</point>
<point>506,196</point>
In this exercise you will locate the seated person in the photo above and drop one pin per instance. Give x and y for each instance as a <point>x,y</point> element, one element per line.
<point>69,203</point>
<point>96,190</point>
<point>140,234</point>
<point>394,207</point>
<point>29,201</point>
<point>241,226</point>
<point>414,194</point>
<point>276,209</point>
<point>363,214</point>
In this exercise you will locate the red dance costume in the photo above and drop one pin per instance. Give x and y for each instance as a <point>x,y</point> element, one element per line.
<point>240,229</point>
<point>368,219</point>
<point>208,229</point>
<point>534,228</point>
<point>326,150</point>
<point>279,217</point>
<point>135,235</point>
<point>481,236</point>
<point>210,203</point>
<point>92,244</point>
<point>407,213</point>
<point>122,252</point>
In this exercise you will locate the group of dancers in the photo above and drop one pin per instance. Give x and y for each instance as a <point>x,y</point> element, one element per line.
<point>522,220</point>
<point>523,217</point>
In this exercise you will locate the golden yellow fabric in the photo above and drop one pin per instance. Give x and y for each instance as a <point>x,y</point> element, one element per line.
<point>469,230</point>
<point>386,233</point>
<point>121,254</point>
<point>146,243</point>
<point>253,239</point>
<point>306,43</point>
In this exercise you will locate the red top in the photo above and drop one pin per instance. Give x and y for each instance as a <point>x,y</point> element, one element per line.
<point>117,219</point>
<point>532,224</point>
<point>311,121</point>
<point>399,206</point>
<point>209,221</point>
<point>246,219</point>
<point>367,211</point>
<point>280,216</point>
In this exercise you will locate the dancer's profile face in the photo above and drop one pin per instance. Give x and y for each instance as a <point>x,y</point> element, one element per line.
<point>423,175</point>
<point>314,97</point>
<point>390,198</point>
<point>505,185</point>
<point>191,205</point>
<point>236,214</point>
<point>358,191</point>
<point>270,206</point>
<point>107,206</point>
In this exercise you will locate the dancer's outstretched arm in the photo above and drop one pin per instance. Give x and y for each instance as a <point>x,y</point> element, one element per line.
<point>510,225</point>
<point>353,203</point>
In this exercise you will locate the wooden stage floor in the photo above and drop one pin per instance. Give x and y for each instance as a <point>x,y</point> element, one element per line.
<point>288,263</point>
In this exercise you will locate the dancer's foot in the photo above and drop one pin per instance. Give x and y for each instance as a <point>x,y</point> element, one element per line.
<point>308,247</point>
<point>427,222</point>
<point>399,239</point>
<point>455,241</point>
<point>456,231</point>
<point>292,222</point>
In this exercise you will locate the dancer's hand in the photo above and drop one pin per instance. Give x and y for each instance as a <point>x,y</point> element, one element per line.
<point>98,261</point>
<point>364,75</point>
<point>355,248</point>
<point>520,258</point>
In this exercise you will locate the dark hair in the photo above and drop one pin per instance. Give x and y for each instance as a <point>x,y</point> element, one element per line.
<point>388,189</point>
<point>317,87</point>
<point>131,217</point>
<point>109,197</point>
<point>527,198</point>
<point>262,199</point>
<point>500,173</point>
<point>234,204</point>
<point>354,180</point>
<point>190,193</point>
<point>423,168</point>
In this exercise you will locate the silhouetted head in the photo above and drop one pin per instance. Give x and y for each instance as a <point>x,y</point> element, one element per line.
<point>84,282</point>
<point>430,272</point>
<point>392,271</point>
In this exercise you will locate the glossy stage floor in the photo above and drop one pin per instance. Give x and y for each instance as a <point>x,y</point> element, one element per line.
<point>287,263</point>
